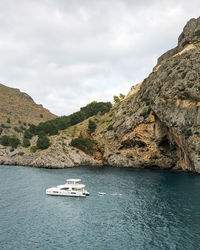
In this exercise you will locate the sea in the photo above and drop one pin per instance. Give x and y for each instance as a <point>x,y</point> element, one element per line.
<point>142,209</point>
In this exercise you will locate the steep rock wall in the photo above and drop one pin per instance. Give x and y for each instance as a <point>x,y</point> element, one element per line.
<point>160,125</point>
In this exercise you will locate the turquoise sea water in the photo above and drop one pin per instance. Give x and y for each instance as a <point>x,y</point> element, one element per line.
<point>157,209</point>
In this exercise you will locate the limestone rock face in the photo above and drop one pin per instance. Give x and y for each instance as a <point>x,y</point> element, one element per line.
<point>190,35</point>
<point>160,125</point>
<point>134,89</point>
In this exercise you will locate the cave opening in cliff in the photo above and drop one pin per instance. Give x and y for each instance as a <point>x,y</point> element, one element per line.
<point>164,143</point>
<point>132,143</point>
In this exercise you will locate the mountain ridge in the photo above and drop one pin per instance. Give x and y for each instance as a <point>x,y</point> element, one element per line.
<point>20,108</point>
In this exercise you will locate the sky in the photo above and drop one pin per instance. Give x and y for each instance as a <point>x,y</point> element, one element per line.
<point>68,53</point>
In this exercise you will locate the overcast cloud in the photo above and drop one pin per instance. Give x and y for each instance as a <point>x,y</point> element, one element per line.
<point>67,53</point>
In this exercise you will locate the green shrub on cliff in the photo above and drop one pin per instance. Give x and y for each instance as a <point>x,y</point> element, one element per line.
<point>83,143</point>
<point>47,128</point>
<point>4,126</point>
<point>116,99</point>
<point>121,96</point>
<point>12,141</point>
<point>43,142</point>
<point>28,134</point>
<point>33,149</point>
<point>26,143</point>
<point>17,130</point>
<point>92,126</point>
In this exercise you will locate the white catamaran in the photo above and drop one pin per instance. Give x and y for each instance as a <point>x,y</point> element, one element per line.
<point>71,188</point>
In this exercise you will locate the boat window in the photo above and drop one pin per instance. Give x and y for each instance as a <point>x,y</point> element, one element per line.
<point>70,182</point>
<point>77,189</point>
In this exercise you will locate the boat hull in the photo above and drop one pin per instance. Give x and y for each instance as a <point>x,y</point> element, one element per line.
<point>69,194</point>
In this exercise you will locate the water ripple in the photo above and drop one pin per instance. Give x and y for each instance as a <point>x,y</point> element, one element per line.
<point>157,210</point>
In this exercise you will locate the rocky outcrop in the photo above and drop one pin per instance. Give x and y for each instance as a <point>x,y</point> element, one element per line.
<point>134,89</point>
<point>190,35</point>
<point>160,125</point>
<point>59,155</point>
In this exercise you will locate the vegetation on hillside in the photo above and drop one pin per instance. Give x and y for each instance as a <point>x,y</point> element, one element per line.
<point>43,142</point>
<point>26,143</point>
<point>118,99</point>
<point>91,126</point>
<point>51,127</point>
<point>83,143</point>
<point>12,141</point>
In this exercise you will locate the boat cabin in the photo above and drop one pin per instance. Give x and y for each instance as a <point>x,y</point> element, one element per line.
<point>73,181</point>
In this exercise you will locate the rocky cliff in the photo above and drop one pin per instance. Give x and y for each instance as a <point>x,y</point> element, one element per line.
<point>160,125</point>
<point>156,126</point>
<point>59,155</point>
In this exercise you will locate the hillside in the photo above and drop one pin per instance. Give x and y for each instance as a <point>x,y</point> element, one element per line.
<point>157,125</point>
<point>18,108</point>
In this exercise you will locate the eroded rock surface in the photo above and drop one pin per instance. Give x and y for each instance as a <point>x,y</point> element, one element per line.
<point>59,155</point>
<point>160,125</point>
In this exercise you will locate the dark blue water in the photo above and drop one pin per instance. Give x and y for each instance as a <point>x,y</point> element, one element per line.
<point>157,210</point>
